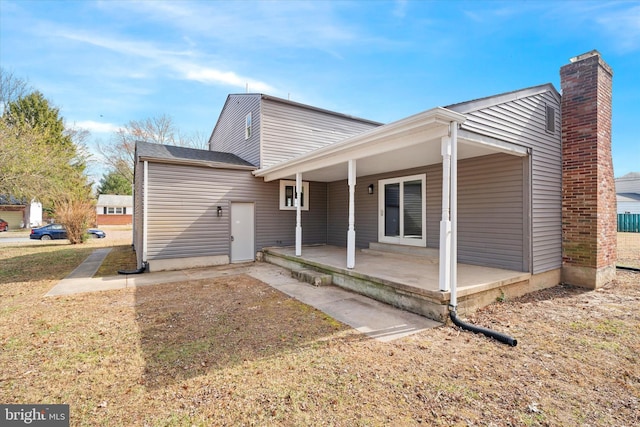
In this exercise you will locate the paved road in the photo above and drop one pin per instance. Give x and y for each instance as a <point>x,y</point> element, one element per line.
<point>4,240</point>
<point>21,236</point>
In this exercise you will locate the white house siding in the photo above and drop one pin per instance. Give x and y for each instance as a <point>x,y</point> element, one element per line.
<point>491,204</point>
<point>182,205</point>
<point>626,205</point>
<point>228,136</point>
<point>289,130</point>
<point>522,121</point>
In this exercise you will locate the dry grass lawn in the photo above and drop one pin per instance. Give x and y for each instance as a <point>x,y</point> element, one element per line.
<point>234,351</point>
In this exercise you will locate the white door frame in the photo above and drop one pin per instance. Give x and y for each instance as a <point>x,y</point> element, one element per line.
<point>242,245</point>
<point>401,240</point>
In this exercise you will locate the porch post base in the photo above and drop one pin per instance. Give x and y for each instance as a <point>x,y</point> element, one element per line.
<point>298,241</point>
<point>351,248</point>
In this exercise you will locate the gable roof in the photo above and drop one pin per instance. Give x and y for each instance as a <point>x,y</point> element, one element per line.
<point>322,110</point>
<point>489,101</point>
<point>10,200</point>
<point>162,153</point>
<point>629,183</point>
<point>116,200</point>
<point>628,197</point>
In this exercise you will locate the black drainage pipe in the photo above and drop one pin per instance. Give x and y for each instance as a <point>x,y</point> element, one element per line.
<point>505,339</point>
<point>622,267</point>
<point>138,271</point>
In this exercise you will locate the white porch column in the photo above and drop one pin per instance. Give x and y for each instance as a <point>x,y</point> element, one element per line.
<point>454,214</point>
<point>298,214</point>
<point>351,233</point>
<point>445,222</point>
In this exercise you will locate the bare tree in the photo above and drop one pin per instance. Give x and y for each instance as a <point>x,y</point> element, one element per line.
<point>119,154</point>
<point>11,88</point>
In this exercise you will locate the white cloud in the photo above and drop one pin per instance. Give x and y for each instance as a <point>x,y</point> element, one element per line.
<point>97,127</point>
<point>181,61</point>
<point>623,26</point>
<point>213,76</point>
<point>400,9</point>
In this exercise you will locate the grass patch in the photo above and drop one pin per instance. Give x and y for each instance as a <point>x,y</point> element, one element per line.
<point>121,257</point>
<point>234,351</point>
<point>22,263</point>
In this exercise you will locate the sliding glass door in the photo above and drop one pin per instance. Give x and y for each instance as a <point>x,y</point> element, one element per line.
<point>402,210</point>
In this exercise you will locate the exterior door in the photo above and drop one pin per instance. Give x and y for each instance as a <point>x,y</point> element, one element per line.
<point>402,206</point>
<point>242,232</point>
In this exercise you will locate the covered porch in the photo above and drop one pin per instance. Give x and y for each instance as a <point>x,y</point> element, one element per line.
<point>389,274</point>
<point>397,162</point>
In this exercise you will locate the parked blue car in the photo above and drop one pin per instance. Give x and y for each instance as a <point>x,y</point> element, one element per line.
<point>57,231</point>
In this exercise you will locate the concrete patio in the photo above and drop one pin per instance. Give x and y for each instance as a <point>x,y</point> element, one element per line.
<point>405,277</point>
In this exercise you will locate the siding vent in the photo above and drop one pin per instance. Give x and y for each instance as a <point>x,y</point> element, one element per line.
<point>551,119</point>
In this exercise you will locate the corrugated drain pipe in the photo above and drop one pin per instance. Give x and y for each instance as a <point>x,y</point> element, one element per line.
<point>622,267</point>
<point>138,271</point>
<point>505,339</point>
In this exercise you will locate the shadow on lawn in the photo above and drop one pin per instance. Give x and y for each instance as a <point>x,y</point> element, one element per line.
<point>191,328</point>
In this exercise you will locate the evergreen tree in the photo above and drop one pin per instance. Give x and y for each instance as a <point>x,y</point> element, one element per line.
<point>39,157</point>
<point>113,182</point>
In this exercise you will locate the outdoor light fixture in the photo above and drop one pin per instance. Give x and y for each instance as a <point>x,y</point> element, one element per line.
<point>370,188</point>
<point>219,211</point>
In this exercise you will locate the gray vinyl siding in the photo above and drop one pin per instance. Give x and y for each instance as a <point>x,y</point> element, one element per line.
<point>182,207</point>
<point>229,133</point>
<point>138,213</point>
<point>491,219</point>
<point>290,130</point>
<point>523,121</point>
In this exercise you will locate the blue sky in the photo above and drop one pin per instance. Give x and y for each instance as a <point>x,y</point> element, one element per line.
<point>104,63</point>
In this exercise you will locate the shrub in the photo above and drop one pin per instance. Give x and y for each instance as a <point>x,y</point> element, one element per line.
<point>76,215</point>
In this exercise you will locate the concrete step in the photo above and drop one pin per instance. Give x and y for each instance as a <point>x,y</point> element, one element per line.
<point>387,248</point>
<point>312,277</point>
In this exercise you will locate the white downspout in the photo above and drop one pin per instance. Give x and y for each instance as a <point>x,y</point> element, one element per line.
<point>454,215</point>
<point>351,232</point>
<point>445,222</point>
<point>145,208</point>
<point>298,214</point>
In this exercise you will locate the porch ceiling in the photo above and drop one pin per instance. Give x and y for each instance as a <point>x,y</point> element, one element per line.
<point>407,143</point>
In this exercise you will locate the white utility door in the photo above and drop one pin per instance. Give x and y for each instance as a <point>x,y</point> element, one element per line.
<point>242,232</point>
<point>402,208</point>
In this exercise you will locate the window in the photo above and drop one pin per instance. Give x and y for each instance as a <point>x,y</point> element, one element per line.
<point>111,210</point>
<point>247,126</point>
<point>551,119</point>
<point>288,196</point>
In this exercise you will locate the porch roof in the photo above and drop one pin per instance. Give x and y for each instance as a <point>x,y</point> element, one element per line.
<point>407,143</point>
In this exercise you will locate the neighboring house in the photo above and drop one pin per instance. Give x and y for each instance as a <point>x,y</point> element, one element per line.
<point>628,193</point>
<point>480,181</point>
<point>113,209</point>
<point>19,213</point>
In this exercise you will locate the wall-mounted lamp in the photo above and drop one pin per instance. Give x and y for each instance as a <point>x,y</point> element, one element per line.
<point>219,211</point>
<point>370,188</point>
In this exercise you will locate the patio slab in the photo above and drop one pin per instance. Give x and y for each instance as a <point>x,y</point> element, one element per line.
<point>406,281</point>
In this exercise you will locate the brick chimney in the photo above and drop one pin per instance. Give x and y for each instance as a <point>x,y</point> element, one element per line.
<point>588,186</point>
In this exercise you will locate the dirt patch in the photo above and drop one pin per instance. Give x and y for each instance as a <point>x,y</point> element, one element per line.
<point>233,351</point>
